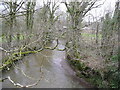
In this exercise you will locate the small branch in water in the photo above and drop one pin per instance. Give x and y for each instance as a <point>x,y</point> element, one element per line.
<point>23,86</point>
<point>53,47</point>
<point>26,86</point>
<point>15,84</point>
<point>24,72</point>
<point>2,80</point>
<point>3,49</point>
<point>61,49</point>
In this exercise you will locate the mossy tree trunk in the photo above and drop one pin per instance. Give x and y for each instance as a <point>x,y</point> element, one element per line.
<point>77,10</point>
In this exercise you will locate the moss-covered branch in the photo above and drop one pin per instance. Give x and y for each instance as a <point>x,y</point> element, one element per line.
<point>19,55</point>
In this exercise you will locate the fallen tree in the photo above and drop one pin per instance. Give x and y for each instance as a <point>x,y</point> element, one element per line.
<point>20,53</point>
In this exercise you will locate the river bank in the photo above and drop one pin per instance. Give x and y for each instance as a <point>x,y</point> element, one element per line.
<point>94,77</point>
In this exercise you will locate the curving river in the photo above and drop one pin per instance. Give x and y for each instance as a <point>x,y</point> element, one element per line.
<point>56,71</point>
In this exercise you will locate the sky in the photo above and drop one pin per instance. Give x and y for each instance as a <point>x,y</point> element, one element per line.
<point>108,6</point>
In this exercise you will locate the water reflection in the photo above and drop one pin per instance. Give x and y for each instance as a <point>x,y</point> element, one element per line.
<point>57,74</point>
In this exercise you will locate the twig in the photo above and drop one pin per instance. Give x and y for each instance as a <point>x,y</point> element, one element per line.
<point>24,73</point>
<point>53,47</point>
<point>15,84</point>
<point>23,86</point>
<point>61,49</point>
<point>3,49</point>
<point>1,80</point>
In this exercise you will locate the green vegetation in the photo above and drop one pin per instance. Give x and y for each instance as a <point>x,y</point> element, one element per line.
<point>21,37</point>
<point>90,35</point>
<point>110,79</point>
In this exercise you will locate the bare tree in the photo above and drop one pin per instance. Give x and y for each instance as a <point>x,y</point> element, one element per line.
<point>30,9</point>
<point>77,11</point>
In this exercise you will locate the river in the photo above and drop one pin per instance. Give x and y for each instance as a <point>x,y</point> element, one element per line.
<point>56,71</point>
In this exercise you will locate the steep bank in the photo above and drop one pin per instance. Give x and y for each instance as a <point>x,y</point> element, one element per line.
<point>107,79</point>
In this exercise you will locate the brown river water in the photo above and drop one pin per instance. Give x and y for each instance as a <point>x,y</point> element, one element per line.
<point>56,71</point>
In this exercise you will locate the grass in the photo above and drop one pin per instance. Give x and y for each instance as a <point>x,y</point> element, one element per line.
<point>14,38</point>
<point>22,37</point>
<point>90,35</point>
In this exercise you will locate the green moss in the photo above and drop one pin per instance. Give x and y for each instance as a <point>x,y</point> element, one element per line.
<point>90,35</point>
<point>14,57</point>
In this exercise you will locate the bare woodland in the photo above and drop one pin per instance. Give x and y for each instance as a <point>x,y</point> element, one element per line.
<point>93,53</point>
